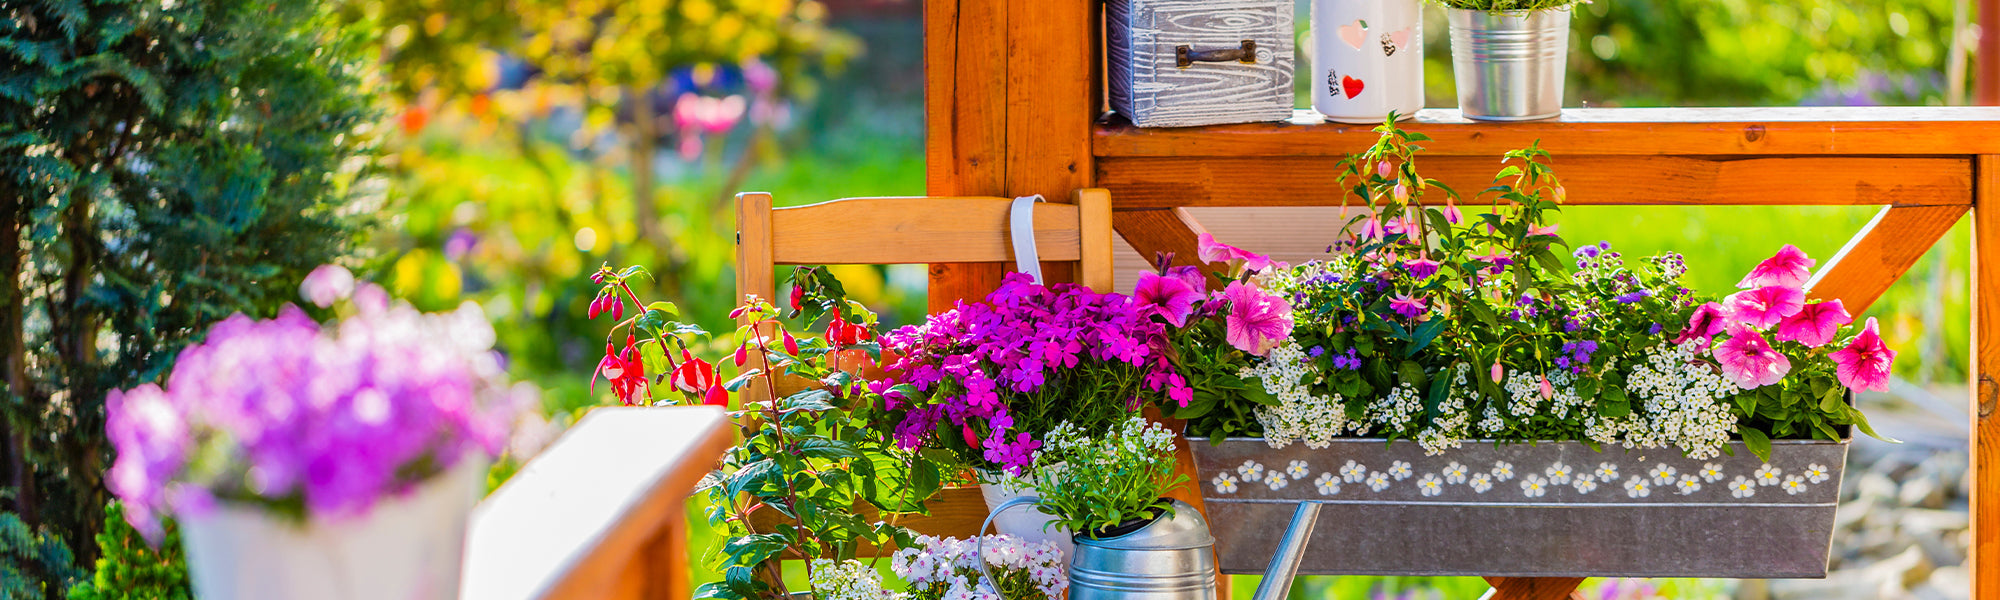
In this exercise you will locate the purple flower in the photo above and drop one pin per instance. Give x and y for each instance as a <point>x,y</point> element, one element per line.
<point>1631,297</point>
<point>1408,307</point>
<point>1316,351</point>
<point>1421,268</point>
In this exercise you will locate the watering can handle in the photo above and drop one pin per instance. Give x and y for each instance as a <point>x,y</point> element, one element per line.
<point>979,540</point>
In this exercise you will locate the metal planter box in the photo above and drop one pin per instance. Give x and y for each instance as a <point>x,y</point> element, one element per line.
<point>1390,510</point>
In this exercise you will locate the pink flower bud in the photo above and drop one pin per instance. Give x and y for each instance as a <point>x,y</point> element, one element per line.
<point>1548,391</point>
<point>1402,192</point>
<point>617,308</point>
<point>1382,169</point>
<point>1497,372</point>
<point>791,344</point>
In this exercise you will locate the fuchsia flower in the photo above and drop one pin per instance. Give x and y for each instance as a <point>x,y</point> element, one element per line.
<point>1401,225</point>
<point>1371,229</point>
<point>1815,324</point>
<point>1497,372</point>
<point>1402,192</point>
<point>1790,267</point>
<point>1500,260</point>
<point>1452,214</point>
<point>1765,306</point>
<point>1213,251</point>
<point>1257,321</point>
<point>1169,298</point>
<point>1407,306</point>
<point>1421,268</point>
<point>697,376</point>
<point>1749,360</point>
<point>1382,168</point>
<point>1864,363</point>
<point>1706,322</point>
<point>1549,230</point>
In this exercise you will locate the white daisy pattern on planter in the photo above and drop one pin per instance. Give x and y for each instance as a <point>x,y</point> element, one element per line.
<point>1250,470</point>
<point>1768,475</point>
<point>1327,484</point>
<point>1711,472</point>
<point>1276,480</point>
<point>1794,484</point>
<point>1637,487</point>
<point>1817,473</point>
<point>1663,473</point>
<point>1688,484</point>
<point>1378,481</point>
<point>1353,472</point>
<point>1400,470</point>
<point>1298,469</point>
<point>1558,473</point>
<point>1742,487</point>
<point>1454,473</point>
<point>1584,483</point>
<point>1430,485</point>
<point>1533,486</point>
<point>1224,483</point>
<point>1503,470</point>
<point>1481,482</point>
<point>1607,472</point>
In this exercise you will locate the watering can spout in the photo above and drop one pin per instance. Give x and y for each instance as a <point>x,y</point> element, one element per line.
<point>1284,566</point>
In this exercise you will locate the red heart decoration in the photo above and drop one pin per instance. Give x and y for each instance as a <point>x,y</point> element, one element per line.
<point>1351,85</point>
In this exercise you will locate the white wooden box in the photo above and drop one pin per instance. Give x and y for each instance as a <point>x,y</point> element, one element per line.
<point>1179,63</point>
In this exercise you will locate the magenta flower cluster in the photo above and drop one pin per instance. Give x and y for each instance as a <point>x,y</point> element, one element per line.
<point>978,360</point>
<point>284,411</point>
<point>1773,301</point>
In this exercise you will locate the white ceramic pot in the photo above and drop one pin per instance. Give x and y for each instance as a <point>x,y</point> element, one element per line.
<point>1368,59</point>
<point>1025,522</point>
<point>405,548</point>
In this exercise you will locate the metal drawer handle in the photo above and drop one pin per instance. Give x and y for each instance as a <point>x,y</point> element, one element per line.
<point>1186,56</point>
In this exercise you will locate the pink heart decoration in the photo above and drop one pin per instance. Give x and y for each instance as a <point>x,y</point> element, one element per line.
<point>1400,38</point>
<point>1354,34</point>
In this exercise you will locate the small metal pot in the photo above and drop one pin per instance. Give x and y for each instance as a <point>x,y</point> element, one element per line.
<point>1172,558</point>
<point>1509,64</point>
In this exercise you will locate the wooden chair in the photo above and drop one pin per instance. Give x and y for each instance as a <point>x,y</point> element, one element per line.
<point>922,231</point>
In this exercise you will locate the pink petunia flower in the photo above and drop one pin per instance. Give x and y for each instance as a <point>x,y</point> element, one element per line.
<point>1790,267</point>
<point>1765,306</point>
<point>1191,275</point>
<point>1407,306</point>
<point>1257,321</point>
<point>1749,360</point>
<point>1168,297</point>
<point>1705,323</point>
<point>1213,251</point>
<point>1864,363</point>
<point>1815,324</point>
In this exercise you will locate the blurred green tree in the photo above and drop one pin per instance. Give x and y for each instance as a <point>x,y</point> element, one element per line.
<point>162,166</point>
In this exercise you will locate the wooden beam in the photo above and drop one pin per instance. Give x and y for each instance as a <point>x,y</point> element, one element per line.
<point>1148,183</point>
<point>1172,230</point>
<point>1985,382</point>
<point>1880,253</point>
<point>1987,90</point>
<point>965,130</point>
<point>1916,131</point>
<point>1533,588</point>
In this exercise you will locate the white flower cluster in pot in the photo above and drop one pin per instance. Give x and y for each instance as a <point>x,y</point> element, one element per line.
<point>1677,401</point>
<point>1397,411</point>
<point>945,568</point>
<point>847,580</point>
<point>1300,414</point>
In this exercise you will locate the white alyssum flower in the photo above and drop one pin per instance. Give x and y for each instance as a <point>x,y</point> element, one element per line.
<point>1400,470</point>
<point>1607,471</point>
<point>1353,472</point>
<point>1224,483</point>
<point>1816,473</point>
<point>1677,400</point>
<point>1533,486</point>
<point>1276,480</point>
<point>1453,423</point>
<point>1637,487</point>
<point>1430,485</point>
<point>1742,487</point>
<point>1327,484</point>
<point>1378,481</point>
<point>1768,475</point>
<point>1481,482</point>
<point>847,580</point>
<point>1584,484</point>
<point>1663,473</point>
<point>1454,473</point>
<point>1688,484</point>
<point>1711,472</point>
<point>1250,470</point>
<point>1300,414</point>
<point>1503,470</point>
<point>1558,473</point>
<point>1794,484</point>
<point>1298,469</point>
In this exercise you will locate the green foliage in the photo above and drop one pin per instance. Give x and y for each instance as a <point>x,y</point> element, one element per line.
<point>161,167</point>
<point>130,568</point>
<point>1094,483</point>
<point>34,565</point>
<point>1500,5</point>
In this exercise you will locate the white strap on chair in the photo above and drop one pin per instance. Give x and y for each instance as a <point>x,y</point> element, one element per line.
<point>1021,226</point>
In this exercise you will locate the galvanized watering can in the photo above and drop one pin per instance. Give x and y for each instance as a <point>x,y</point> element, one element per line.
<point>1171,558</point>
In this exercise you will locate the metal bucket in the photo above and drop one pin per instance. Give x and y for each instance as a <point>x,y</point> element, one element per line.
<point>1509,64</point>
<point>1172,558</point>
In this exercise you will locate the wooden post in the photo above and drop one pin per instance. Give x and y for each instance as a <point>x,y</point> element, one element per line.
<point>1988,80</point>
<point>1985,375</point>
<point>965,128</point>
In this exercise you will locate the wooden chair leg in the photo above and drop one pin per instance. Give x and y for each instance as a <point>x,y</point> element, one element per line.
<point>1533,588</point>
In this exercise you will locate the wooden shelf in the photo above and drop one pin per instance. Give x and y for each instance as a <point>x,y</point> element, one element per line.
<point>1787,131</point>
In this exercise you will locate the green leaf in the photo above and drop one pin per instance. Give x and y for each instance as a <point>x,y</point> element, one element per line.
<point>754,476</point>
<point>1424,334</point>
<point>1411,372</point>
<point>653,356</point>
<point>828,449</point>
<point>672,310</point>
<point>1548,261</point>
<point>1758,443</point>
<point>812,400</point>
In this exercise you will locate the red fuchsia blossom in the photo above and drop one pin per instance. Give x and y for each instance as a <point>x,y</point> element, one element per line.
<point>1864,363</point>
<point>1749,360</point>
<point>697,376</point>
<point>1166,297</point>
<point>1790,267</point>
<point>798,297</point>
<point>1816,324</point>
<point>1765,306</point>
<point>791,343</point>
<point>625,371</point>
<point>1213,251</point>
<point>1257,321</point>
<point>1704,324</point>
<point>842,334</point>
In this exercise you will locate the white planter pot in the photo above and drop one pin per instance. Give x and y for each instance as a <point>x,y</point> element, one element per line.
<point>1027,521</point>
<point>1368,59</point>
<point>406,548</point>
